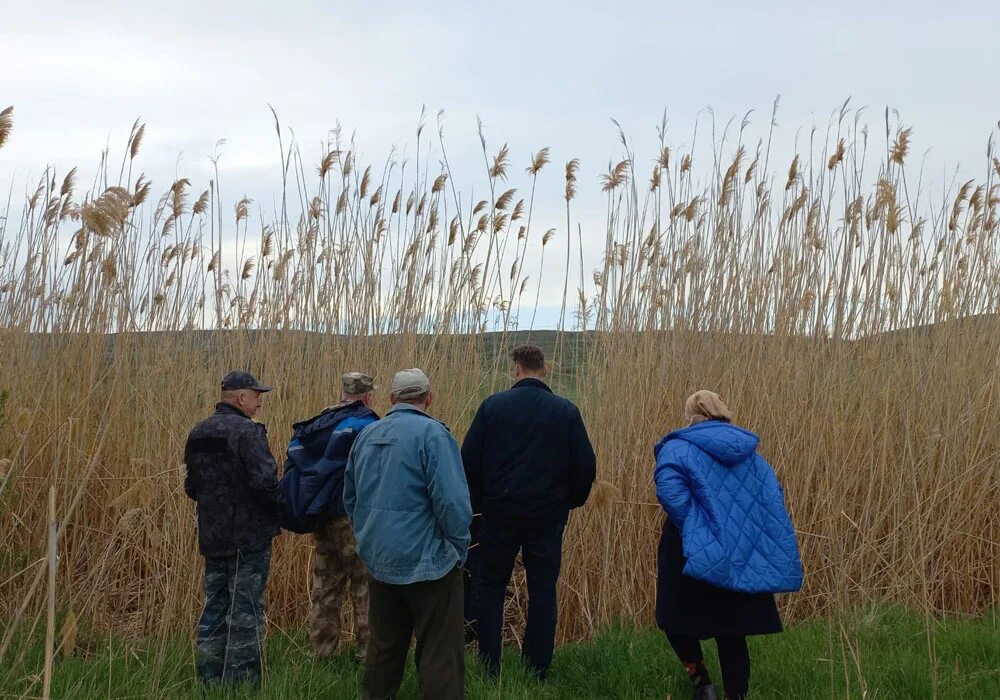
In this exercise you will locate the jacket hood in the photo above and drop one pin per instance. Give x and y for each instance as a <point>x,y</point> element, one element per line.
<point>727,444</point>
<point>344,409</point>
<point>335,413</point>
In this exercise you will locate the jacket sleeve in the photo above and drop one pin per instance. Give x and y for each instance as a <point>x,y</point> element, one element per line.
<point>259,465</point>
<point>672,488</point>
<point>472,458</point>
<point>583,462</point>
<point>189,482</point>
<point>448,490</point>
<point>350,488</point>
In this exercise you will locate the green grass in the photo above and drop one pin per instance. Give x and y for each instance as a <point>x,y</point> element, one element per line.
<point>884,652</point>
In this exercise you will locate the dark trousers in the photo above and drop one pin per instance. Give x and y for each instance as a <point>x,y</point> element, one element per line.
<point>230,633</point>
<point>734,657</point>
<point>541,551</point>
<point>432,610</point>
<point>469,579</point>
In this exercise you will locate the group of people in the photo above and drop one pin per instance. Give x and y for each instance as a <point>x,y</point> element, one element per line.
<point>424,534</point>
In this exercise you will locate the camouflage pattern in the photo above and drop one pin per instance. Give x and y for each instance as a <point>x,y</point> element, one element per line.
<point>232,475</point>
<point>230,634</point>
<point>337,567</point>
<point>356,383</point>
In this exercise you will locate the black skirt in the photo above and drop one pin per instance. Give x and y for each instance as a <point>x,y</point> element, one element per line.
<point>687,606</point>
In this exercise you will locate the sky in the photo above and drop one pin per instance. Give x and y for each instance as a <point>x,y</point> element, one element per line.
<point>536,73</point>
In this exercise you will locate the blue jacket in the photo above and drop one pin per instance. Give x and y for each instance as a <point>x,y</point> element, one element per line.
<point>527,456</point>
<point>729,507</point>
<point>313,483</point>
<point>406,495</point>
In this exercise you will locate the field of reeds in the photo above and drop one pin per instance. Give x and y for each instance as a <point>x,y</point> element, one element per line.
<point>846,315</point>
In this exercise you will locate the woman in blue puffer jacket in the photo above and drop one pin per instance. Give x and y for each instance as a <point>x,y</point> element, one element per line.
<point>727,546</point>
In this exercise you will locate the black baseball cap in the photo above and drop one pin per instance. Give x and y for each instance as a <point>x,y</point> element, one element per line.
<point>242,380</point>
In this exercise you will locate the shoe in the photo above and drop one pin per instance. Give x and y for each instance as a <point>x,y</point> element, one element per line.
<point>705,692</point>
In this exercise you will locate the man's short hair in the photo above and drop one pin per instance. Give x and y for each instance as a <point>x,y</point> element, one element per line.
<point>229,395</point>
<point>528,357</point>
<point>417,400</point>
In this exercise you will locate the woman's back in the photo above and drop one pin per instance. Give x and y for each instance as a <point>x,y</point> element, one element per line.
<point>726,502</point>
<point>727,544</point>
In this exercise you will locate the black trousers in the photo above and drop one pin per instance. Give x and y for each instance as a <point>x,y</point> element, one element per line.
<point>470,572</point>
<point>734,657</point>
<point>541,551</point>
<point>431,610</point>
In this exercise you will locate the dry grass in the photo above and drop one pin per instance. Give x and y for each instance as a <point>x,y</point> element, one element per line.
<point>843,316</point>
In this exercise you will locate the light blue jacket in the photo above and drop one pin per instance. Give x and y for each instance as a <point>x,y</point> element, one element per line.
<point>406,495</point>
<point>729,507</point>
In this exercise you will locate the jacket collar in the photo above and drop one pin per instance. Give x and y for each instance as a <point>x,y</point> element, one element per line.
<point>396,408</point>
<point>223,407</point>
<point>532,383</point>
<point>409,408</point>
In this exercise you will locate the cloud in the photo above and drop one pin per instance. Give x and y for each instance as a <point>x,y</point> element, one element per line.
<point>196,72</point>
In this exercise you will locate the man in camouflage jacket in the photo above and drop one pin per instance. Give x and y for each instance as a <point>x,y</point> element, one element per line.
<point>232,476</point>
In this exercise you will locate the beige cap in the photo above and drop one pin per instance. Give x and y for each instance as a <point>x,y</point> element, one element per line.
<point>355,383</point>
<point>410,383</point>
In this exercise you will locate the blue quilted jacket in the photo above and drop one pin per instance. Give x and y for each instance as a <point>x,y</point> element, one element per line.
<point>729,507</point>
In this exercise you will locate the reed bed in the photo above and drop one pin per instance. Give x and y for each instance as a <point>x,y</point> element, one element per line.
<point>846,316</point>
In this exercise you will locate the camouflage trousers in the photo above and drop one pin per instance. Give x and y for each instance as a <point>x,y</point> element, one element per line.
<point>337,569</point>
<point>231,630</point>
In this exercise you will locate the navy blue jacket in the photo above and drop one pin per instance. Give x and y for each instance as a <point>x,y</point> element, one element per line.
<point>313,482</point>
<point>527,456</point>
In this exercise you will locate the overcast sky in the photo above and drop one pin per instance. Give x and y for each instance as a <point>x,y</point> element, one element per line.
<point>537,73</point>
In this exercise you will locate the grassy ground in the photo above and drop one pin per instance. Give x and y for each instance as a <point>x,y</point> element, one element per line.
<point>876,654</point>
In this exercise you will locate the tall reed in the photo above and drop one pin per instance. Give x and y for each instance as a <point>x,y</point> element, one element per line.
<point>845,317</point>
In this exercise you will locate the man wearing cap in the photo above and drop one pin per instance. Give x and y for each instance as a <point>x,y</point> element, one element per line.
<point>408,500</point>
<point>232,476</point>
<point>528,462</point>
<point>336,564</point>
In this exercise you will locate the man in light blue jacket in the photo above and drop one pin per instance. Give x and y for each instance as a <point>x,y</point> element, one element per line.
<point>408,500</point>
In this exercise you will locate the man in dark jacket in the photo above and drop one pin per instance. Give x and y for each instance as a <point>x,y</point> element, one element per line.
<point>528,461</point>
<point>232,476</point>
<point>336,564</point>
